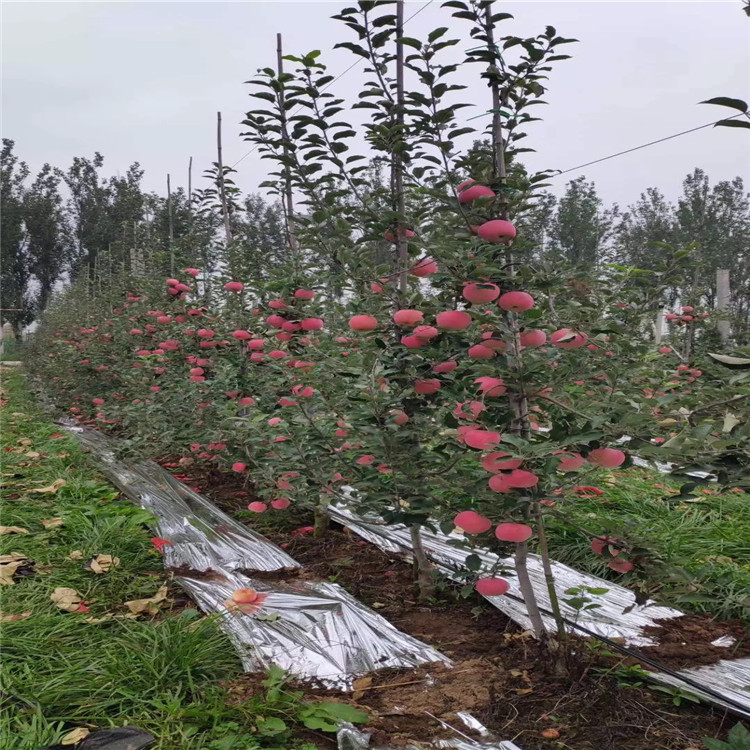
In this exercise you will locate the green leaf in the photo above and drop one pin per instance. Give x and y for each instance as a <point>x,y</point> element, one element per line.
<point>732,124</point>
<point>729,361</point>
<point>409,42</point>
<point>269,726</point>
<point>313,721</point>
<point>343,712</point>
<point>739,739</point>
<point>726,101</point>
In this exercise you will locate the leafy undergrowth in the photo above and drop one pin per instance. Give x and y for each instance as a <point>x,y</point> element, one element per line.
<point>703,540</point>
<point>88,660</point>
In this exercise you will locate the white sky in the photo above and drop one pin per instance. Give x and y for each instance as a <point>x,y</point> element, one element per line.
<point>143,81</point>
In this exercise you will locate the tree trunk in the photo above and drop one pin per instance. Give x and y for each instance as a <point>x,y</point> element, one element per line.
<point>423,568</point>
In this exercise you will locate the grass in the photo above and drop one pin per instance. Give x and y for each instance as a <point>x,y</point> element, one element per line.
<point>160,672</point>
<point>701,544</point>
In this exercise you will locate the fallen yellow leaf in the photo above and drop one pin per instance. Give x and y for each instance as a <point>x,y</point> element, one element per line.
<point>12,557</point>
<point>5,617</point>
<point>76,554</point>
<point>12,530</point>
<point>74,737</point>
<point>107,617</point>
<point>360,685</point>
<point>54,487</point>
<point>102,563</point>
<point>148,605</point>
<point>68,599</point>
<point>50,523</point>
<point>32,454</point>
<point>24,441</point>
<point>7,571</point>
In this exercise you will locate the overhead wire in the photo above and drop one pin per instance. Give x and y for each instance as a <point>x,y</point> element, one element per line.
<point>644,145</point>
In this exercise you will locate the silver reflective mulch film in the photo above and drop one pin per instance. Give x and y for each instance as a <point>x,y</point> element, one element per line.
<point>618,616</point>
<point>609,619</point>
<point>729,678</point>
<point>351,738</point>
<point>314,629</point>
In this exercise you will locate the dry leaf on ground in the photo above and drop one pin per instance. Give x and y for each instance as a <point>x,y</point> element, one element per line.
<point>102,563</point>
<point>76,554</point>
<point>12,530</point>
<point>32,454</point>
<point>76,736</point>
<point>50,523</point>
<point>25,441</point>
<point>108,616</point>
<point>7,571</point>
<point>68,599</point>
<point>360,685</point>
<point>54,487</point>
<point>12,557</point>
<point>148,605</point>
<point>6,617</point>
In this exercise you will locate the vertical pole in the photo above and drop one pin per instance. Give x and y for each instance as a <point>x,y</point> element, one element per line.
<point>190,191</point>
<point>659,326</point>
<point>723,296</point>
<point>288,198</point>
<point>398,167</point>
<point>520,424</point>
<point>222,191</point>
<point>171,227</point>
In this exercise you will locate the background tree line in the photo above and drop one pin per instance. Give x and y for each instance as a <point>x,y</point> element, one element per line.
<point>67,224</point>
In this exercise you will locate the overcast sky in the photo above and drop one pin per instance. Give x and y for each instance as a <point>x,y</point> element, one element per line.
<point>143,81</point>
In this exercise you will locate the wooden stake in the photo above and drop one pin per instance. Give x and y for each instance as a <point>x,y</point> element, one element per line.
<point>222,191</point>
<point>498,143</point>
<point>171,227</point>
<point>520,425</point>
<point>659,326</point>
<point>190,190</point>
<point>398,167</point>
<point>723,296</point>
<point>288,197</point>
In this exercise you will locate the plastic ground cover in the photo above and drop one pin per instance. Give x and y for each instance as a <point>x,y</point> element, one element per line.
<point>315,630</point>
<point>617,617</point>
<point>609,619</point>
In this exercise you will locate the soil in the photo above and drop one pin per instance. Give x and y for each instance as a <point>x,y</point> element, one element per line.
<point>686,641</point>
<point>499,674</point>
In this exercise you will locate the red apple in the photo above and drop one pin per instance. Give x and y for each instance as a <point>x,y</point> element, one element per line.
<point>496,231</point>
<point>453,320</point>
<point>427,386</point>
<point>568,338</point>
<point>481,292</point>
<point>479,351</point>
<point>609,458</point>
<point>492,586</point>
<point>363,323</point>
<point>516,301</point>
<point>408,317</point>
<point>513,532</point>
<point>497,462</point>
<point>472,523</point>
